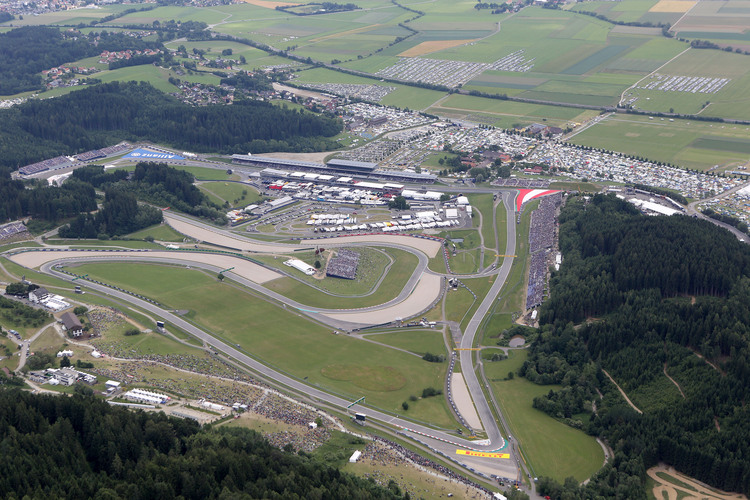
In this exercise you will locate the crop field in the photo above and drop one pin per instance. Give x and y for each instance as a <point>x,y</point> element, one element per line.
<point>731,101</point>
<point>433,46</point>
<point>506,114</point>
<point>682,142</point>
<point>551,448</point>
<point>72,16</point>
<point>208,16</point>
<point>627,10</point>
<point>457,16</point>
<point>403,97</point>
<point>287,340</point>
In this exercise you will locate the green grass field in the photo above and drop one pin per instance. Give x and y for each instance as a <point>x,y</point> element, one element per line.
<point>505,114</point>
<point>416,341</point>
<point>19,244</point>
<point>236,194</point>
<point>161,232</point>
<point>483,203</point>
<point>200,173</point>
<point>400,265</point>
<point>685,143</point>
<point>287,340</point>
<point>551,448</point>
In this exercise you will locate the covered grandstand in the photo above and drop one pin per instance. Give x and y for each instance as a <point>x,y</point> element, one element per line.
<point>334,168</point>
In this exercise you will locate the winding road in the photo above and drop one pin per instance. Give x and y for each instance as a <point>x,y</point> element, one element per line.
<point>414,298</point>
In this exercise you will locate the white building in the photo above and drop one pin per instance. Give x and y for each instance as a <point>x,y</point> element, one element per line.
<point>301,266</point>
<point>38,295</point>
<point>144,396</point>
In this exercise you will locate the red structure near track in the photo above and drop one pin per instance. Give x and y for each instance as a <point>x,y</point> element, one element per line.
<point>525,195</point>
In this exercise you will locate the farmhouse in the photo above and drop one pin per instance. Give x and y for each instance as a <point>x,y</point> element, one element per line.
<point>71,324</point>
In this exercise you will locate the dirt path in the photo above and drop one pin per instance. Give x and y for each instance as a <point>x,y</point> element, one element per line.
<point>693,490</point>
<point>622,392</point>
<point>673,381</point>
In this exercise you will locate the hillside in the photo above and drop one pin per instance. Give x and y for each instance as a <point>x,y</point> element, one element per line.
<point>666,307</point>
<point>80,447</point>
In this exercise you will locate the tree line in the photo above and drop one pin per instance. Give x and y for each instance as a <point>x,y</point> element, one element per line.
<point>106,114</point>
<point>650,307</point>
<point>81,447</point>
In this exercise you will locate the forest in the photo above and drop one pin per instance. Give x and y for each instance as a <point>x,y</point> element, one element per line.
<point>80,447</point>
<point>25,52</point>
<point>156,183</point>
<point>652,298</point>
<point>99,116</point>
<point>121,214</point>
<point>40,201</point>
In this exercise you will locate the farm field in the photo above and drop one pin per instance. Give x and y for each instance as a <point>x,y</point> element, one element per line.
<point>162,14</point>
<point>507,114</point>
<point>403,97</point>
<point>551,448</point>
<point>730,101</point>
<point>685,143</point>
<point>73,16</point>
<point>288,341</point>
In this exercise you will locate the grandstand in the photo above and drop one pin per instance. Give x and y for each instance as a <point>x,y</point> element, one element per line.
<point>13,230</point>
<point>344,265</point>
<point>335,167</point>
<point>44,165</point>
<point>101,153</point>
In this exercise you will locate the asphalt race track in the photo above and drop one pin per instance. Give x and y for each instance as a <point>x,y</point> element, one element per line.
<point>421,290</point>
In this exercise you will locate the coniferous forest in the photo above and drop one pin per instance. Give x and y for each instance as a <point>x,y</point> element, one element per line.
<point>642,297</point>
<point>80,447</point>
<point>103,115</point>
